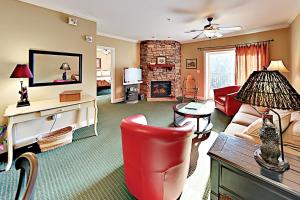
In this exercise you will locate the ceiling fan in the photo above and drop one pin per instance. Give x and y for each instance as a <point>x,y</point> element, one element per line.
<point>213,30</point>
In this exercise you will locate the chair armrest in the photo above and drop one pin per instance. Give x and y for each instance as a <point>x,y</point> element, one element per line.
<point>27,163</point>
<point>231,96</point>
<point>225,90</point>
<point>231,102</point>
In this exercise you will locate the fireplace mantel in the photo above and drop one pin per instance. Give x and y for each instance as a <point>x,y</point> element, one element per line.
<point>168,66</point>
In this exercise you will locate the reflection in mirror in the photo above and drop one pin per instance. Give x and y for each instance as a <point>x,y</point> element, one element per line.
<point>54,68</point>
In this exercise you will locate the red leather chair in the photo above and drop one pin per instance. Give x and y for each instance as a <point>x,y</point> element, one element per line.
<point>156,160</point>
<point>225,100</point>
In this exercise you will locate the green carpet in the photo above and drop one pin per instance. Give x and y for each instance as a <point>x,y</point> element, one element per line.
<point>92,167</point>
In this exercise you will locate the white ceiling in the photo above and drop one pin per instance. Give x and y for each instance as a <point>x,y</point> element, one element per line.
<point>143,19</point>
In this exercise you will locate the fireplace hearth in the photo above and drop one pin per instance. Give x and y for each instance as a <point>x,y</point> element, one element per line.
<point>160,89</point>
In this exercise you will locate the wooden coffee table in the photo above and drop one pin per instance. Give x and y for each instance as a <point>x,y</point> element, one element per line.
<point>183,111</point>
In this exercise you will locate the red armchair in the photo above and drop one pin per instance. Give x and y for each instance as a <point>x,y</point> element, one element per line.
<point>225,100</point>
<point>156,160</point>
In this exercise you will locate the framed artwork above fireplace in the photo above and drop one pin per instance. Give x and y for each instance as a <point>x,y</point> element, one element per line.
<point>161,60</point>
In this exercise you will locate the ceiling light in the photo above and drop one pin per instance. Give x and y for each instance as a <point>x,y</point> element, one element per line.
<point>209,33</point>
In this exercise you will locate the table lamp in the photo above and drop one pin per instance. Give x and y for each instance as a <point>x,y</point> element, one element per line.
<point>277,65</point>
<point>22,71</point>
<point>270,89</point>
<point>65,67</point>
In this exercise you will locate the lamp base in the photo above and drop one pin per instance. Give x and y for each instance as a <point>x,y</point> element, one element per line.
<point>23,103</point>
<point>280,167</point>
<point>64,76</point>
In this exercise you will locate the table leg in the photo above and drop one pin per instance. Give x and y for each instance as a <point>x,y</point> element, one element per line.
<point>95,117</point>
<point>208,122</point>
<point>198,125</point>
<point>9,144</point>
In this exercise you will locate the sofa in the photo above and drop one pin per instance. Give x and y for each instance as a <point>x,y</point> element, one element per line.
<point>225,99</point>
<point>247,123</point>
<point>156,160</point>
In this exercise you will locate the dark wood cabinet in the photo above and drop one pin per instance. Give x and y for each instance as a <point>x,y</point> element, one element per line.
<point>236,175</point>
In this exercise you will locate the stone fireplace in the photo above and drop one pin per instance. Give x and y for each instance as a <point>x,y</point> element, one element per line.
<point>160,89</point>
<point>161,75</point>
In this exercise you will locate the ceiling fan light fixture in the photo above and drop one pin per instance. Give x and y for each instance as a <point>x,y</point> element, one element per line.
<point>210,33</point>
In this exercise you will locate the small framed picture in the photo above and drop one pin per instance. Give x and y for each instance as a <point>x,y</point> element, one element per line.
<point>98,63</point>
<point>161,60</point>
<point>191,63</point>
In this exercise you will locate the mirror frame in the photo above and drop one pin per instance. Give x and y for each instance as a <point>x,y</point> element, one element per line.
<point>31,66</point>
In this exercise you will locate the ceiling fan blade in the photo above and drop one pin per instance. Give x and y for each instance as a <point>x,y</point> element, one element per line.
<point>197,36</point>
<point>233,28</point>
<point>193,31</point>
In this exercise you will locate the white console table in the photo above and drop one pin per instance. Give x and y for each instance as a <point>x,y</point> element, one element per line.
<point>42,109</point>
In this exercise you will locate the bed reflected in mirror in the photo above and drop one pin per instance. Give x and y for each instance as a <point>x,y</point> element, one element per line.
<point>54,68</point>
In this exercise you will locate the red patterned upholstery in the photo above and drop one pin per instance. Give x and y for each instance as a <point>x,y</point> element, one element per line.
<point>156,160</point>
<point>225,100</point>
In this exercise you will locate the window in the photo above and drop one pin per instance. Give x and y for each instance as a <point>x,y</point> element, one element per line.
<point>220,70</point>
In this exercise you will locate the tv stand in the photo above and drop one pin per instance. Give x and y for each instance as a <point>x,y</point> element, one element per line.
<point>131,93</point>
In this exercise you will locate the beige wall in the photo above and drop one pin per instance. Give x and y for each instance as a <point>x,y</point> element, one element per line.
<point>105,60</point>
<point>295,54</point>
<point>23,27</point>
<point>127,55</point>
<point>279,49</point>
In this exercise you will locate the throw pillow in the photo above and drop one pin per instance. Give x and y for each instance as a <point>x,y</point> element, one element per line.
<point>254,128</point>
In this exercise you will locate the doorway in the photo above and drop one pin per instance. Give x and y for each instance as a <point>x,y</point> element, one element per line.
<point>220,70</point>
<point>105,72</point>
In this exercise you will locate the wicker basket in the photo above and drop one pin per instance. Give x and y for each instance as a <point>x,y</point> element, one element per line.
<point>56,139</point>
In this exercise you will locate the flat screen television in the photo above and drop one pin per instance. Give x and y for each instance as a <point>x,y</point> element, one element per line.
<point>132,75</point>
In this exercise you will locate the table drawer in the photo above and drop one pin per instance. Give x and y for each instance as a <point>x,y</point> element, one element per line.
<point>243,186</point>
<point>59,110</point>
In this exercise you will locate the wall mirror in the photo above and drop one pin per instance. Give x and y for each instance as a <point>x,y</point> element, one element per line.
<point>54,68</point>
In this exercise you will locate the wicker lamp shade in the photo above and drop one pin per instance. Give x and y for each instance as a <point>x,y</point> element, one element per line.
<point>269,89</point>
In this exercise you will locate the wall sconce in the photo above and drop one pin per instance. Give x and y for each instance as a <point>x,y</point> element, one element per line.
<point>89,38</point>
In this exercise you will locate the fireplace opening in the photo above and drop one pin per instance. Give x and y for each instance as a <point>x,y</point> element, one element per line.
<point>160,89</point>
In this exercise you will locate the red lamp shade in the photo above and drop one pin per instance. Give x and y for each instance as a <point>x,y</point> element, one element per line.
<point>21,71</point>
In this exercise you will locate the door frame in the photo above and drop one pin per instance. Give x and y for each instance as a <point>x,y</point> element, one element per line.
<point>112,72</point>
<point>206,70</point>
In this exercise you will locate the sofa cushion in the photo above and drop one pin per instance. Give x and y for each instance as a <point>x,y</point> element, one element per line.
<point>254,128</point>
<point>295,116</point>
<point>234,128</point>
<point>244,119</point>
<point>246,108</point>
<point>285,120</point>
